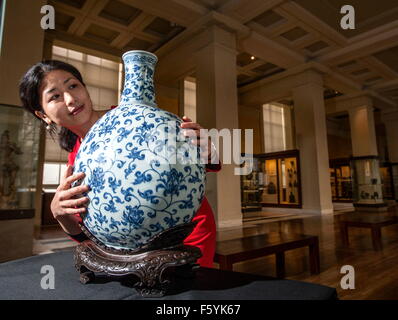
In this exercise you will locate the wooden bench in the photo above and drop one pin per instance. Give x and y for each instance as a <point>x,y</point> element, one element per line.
<point>374,222</point>
<point>229,252</point>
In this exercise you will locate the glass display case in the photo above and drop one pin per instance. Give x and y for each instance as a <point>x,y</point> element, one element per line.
<point>367,186</point>
<point>274,182</point>
<point>269,188</point>
<point>19,150</point>
<point>340,180</point>
<point>288,181</point>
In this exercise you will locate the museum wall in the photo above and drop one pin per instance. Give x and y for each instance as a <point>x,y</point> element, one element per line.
<point>251,118</point>
<point>339,147</point>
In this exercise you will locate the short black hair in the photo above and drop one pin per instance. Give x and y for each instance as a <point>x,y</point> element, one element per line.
<point>29,87</point>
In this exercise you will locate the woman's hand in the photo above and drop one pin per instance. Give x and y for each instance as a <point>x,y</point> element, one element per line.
<point>64,204</point>
<point>202,140</point>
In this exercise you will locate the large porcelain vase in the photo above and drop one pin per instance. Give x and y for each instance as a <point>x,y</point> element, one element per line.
<point>143,174</point>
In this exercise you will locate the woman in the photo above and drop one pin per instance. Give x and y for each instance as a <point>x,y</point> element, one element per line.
<point>54,92</point>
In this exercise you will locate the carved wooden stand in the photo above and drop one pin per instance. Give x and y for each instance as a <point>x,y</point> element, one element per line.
<point>149,263</point>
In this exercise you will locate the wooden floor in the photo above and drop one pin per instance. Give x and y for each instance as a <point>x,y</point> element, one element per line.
<point>376,273</point>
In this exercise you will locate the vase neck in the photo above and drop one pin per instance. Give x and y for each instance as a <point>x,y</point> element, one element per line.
<point>139,67</point>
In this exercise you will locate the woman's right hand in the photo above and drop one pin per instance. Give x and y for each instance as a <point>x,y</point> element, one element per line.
<point>64,203</point>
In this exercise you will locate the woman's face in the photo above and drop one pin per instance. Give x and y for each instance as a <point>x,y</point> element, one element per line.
<point>65,100</point>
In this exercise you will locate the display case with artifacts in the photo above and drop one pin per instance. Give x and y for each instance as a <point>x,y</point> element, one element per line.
<point>288,180</point>
<point>367,185</point>
<point>275,181</point>
<point>270,190</point>
<point>19,148</point>
<point>332,174</point>
<point>340,180</point>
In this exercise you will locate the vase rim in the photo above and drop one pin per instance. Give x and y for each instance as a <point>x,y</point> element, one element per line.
<point>140,51</point>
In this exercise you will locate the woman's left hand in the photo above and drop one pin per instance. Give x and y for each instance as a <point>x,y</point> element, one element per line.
<point>198,138</point>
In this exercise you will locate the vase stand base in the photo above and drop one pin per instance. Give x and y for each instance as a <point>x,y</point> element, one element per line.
<point>155,269</point>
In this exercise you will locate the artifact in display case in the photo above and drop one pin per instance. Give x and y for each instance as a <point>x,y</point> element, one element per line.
<point>19,149</point>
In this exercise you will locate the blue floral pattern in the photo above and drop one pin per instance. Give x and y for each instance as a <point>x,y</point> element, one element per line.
<point>138,187</point>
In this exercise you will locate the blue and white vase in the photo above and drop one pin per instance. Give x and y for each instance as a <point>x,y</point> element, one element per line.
<point>143,174</point>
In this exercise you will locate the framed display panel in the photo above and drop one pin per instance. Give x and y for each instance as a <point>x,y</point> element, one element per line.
<point>19,148</point>
<point>341,180</point>
<point>274,182</point>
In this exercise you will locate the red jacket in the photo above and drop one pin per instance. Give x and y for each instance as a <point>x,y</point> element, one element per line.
<point>204,234</point>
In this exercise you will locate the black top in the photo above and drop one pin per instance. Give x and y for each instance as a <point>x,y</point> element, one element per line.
<point>22,279</point>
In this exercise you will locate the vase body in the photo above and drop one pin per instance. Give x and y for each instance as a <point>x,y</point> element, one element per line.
<point>142,177</point>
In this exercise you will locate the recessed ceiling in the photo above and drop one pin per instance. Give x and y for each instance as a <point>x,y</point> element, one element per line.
<point>368,14</point>
<point>211,4</point>
<point>115,26</point>
<point>317,46</point>
<point>360,72</point>
<point>268,18</point>
<point>99,33</point>
<point>119,12</point>
<point>243,59</point>
<point>389,57</point>
<point>160,28</point>
<point>73,3</point>
<point>138,44</point>
<point>347,64</point>
<point>63,21</point>
<point>294,34</point>
<point>265,67</point>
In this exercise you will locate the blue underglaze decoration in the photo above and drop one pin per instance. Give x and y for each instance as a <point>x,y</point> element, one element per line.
<point>137,191</point>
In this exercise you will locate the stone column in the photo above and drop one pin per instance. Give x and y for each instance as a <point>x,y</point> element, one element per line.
<point>22,46</point>
<point>391,123</point>
<point>217,107</point>
<point>367,188</point>
<point>311,139</point>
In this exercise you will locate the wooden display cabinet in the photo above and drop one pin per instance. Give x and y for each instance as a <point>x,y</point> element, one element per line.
<point>274,182</point>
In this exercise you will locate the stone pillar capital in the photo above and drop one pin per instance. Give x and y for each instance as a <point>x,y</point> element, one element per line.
<point>216,38</point>
<point>351,103</point>
<point>362,123</point>
<point>309,76</point>
<point>214,18</point>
